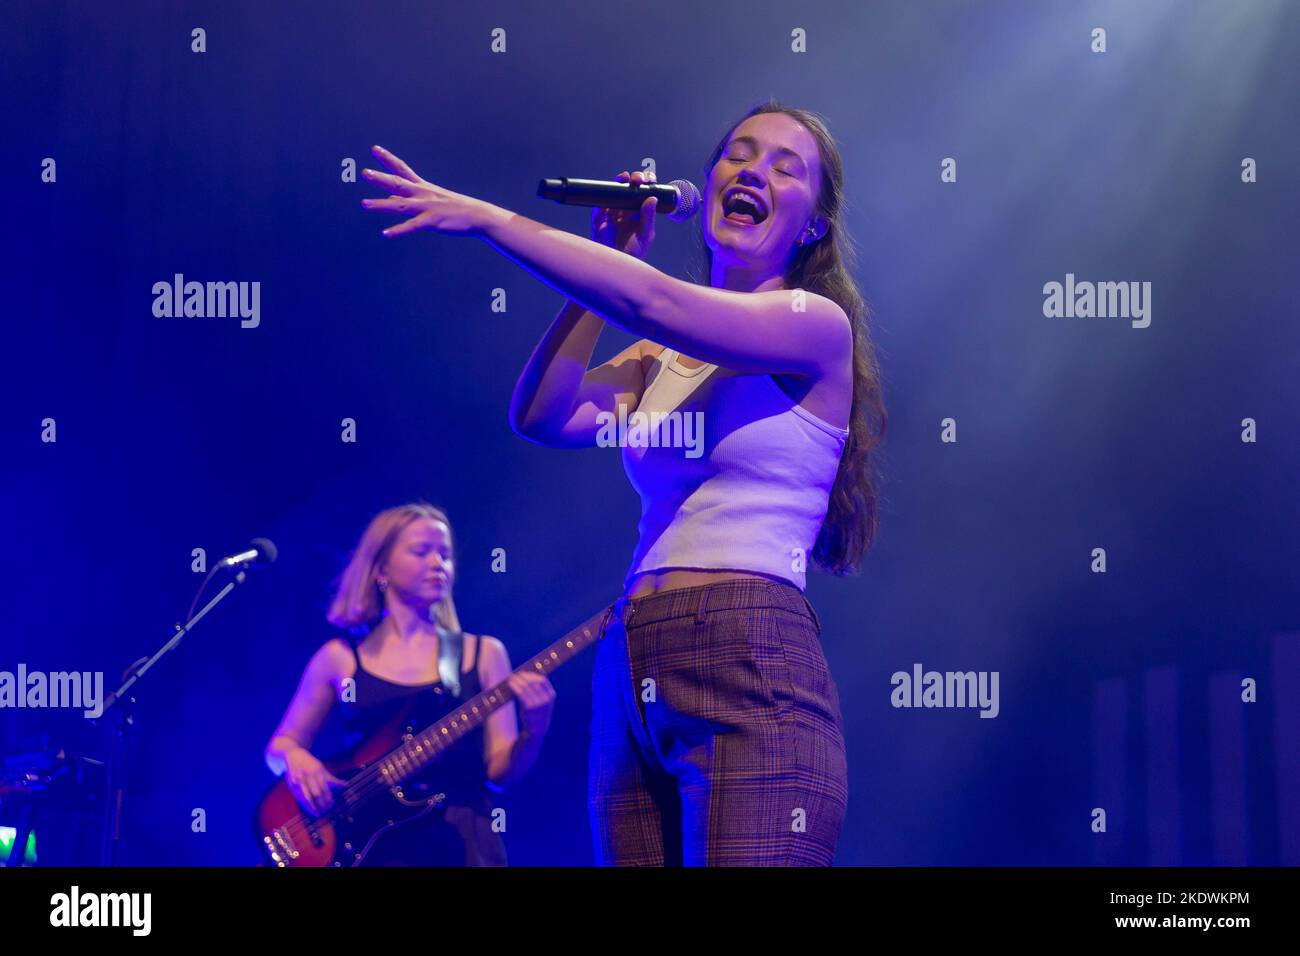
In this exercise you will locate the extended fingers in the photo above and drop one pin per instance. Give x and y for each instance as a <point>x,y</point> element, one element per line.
<point>395,164</point>
<point>391,204</point>
<point>402,228</point>
<point>397,204</point>
<point>394,184</point>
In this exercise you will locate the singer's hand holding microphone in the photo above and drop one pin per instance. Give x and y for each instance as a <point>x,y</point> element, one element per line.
<point>628,230</point>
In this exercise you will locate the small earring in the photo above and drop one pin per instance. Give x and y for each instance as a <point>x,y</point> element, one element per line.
<point>383,584</point>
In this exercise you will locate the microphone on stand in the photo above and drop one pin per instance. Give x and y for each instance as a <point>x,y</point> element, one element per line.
<point>259,551</point>
<point>679,200</point>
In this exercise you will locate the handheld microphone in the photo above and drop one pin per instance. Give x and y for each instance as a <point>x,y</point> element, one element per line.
<point>679,200</point>
<point>259,551</point>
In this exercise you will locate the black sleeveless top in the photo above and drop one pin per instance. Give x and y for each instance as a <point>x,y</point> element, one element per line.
<point>460,833</point>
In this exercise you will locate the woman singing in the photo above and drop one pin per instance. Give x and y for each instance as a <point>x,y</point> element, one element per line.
<point>410,652</point>
<point>717,737</point>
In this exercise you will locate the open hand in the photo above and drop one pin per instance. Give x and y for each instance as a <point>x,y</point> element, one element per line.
<point>429,206</point>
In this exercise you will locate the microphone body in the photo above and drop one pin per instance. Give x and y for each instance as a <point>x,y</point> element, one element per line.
<point>259,551</point>
<point>679,200</point>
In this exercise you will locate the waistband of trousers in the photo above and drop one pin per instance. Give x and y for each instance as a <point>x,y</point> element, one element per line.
<point>698,600</point>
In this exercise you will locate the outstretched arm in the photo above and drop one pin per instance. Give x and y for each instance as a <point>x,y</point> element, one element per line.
<point>748,332</point>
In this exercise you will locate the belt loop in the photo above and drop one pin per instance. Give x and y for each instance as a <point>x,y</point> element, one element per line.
<point>808,605</point>
<point>626,610</point>
<point>702,609</point>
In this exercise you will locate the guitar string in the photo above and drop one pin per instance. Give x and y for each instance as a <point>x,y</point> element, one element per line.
<point>367,783</point>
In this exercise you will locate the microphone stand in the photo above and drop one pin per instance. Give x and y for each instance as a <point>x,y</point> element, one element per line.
<point>121,707</point>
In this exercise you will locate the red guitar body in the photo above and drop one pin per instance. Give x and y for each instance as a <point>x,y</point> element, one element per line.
<point>291,836</point>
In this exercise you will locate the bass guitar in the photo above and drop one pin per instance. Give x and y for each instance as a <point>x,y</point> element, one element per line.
<point>380,794</point>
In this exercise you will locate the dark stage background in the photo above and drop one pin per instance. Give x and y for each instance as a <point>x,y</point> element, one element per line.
<point>1118,690</point>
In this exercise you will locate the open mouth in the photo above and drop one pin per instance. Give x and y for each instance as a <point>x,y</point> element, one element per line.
<point>743,207</point>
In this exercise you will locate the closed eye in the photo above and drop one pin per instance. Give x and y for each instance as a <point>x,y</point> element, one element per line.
<point>737,159</point>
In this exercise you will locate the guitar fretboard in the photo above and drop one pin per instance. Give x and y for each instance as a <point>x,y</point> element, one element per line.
<point>412,756</point>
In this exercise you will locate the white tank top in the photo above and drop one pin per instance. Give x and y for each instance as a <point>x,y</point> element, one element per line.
<point>746,492</point>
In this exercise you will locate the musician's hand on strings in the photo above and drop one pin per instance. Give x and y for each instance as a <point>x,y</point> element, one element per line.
<point>309,781</point>
<point>536,699</point>
<point>429,206</point>
<point>627,230</point>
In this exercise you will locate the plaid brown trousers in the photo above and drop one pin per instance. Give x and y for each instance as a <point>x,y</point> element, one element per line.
<point>716,734</point>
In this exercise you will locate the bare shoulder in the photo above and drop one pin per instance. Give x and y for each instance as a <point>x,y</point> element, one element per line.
<point>836,309</point>
<point>492,648</point>
<point>825,312</point>
<point>824,309</point>
<point>334,659</point>
<point>834,331</point>
<point>472,650</point>
<point>490,660</point>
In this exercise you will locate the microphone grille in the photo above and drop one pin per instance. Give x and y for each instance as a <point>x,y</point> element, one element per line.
<point>267,548</point>
<point>688,200</point>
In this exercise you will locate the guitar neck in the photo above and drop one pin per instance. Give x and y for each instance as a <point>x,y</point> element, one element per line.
<point>423,748</point>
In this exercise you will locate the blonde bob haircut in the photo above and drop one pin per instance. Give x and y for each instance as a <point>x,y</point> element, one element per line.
<point>358,604</point>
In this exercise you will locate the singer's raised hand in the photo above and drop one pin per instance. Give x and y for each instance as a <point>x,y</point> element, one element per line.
<point>627,230</point>
<point>429,206</point>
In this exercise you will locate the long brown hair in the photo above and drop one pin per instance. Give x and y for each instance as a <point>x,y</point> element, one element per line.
<point>358,603</point>
<point>824,267</point>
